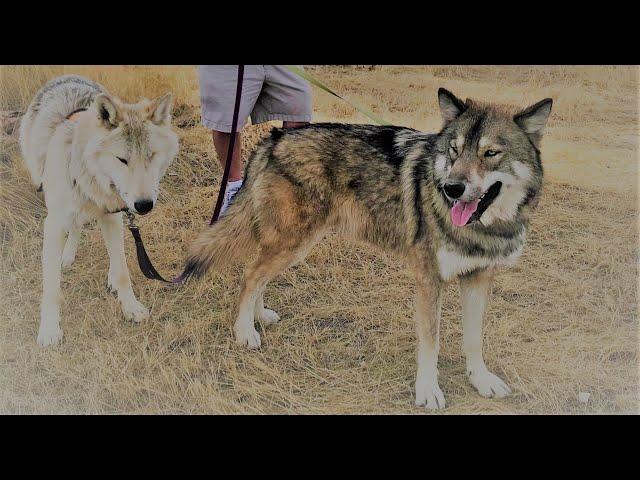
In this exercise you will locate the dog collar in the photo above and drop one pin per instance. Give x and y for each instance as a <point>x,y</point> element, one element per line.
<point>74,115</point>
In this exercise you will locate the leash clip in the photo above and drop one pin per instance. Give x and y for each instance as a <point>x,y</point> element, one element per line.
<point>131,219</point>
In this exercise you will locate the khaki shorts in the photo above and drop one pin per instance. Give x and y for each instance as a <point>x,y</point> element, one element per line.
<point>269,92</point>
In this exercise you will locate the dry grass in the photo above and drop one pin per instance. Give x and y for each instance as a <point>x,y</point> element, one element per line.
<point>563,321</point>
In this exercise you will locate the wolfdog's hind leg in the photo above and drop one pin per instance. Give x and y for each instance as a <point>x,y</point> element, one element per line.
<point>70,248</point>
<point>118,279</point>
<point>266,315</point>
<point>291,223</point>
<point>251,306</point>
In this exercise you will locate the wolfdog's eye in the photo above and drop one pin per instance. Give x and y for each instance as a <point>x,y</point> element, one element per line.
<point>123,160</point>
<point>491,153</point>
<point>455,150</point>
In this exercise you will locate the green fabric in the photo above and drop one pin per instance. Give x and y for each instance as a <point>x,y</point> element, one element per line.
<point>319,84</point>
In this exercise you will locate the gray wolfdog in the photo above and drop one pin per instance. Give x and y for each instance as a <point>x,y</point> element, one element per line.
<point>93,156</point>
<point>453,205</point>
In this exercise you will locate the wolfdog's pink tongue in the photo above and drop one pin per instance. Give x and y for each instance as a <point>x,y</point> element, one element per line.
<point>462,211</point>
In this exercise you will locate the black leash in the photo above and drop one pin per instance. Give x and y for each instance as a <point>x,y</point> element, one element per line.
<point>232,141</point>
<point>144,261</point>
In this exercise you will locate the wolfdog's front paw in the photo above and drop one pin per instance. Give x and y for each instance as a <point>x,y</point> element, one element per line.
<point>429,395</point>
<point>267,317</point>
<point>488,384</point>
<point>49,335</point>
<point>246,335</point>
<point>135,311</point>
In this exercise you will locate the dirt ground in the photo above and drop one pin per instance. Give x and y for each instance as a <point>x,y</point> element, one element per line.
<point>563,321</point>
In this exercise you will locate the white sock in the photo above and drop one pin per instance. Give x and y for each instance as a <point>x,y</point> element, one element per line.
<point>230,192</point>
<point>234,186</point>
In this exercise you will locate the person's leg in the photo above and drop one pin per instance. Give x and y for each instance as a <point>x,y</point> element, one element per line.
<point>221,143</point>
<point>217,96</point>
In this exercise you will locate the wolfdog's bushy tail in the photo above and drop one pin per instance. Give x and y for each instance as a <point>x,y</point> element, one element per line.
<point>226,240</point>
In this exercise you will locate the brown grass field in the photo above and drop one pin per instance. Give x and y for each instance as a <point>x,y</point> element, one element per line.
<point>563,321</point>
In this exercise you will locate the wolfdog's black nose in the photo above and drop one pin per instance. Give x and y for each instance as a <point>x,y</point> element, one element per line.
<point>453,189</point>
<point>143,206</point>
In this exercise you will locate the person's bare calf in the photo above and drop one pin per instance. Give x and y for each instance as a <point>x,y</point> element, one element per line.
<point>221,143</point>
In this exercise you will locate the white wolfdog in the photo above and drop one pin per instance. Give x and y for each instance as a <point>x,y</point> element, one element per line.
<point>93,156</point>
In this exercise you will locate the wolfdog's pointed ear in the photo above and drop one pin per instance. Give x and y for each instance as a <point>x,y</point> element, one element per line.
<point>534,118</point>
<point>451,106</point>
<point>107,110</point>
<point>160,109</point>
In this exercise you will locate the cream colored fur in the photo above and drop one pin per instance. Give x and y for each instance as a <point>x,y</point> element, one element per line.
<point>80,165</point>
